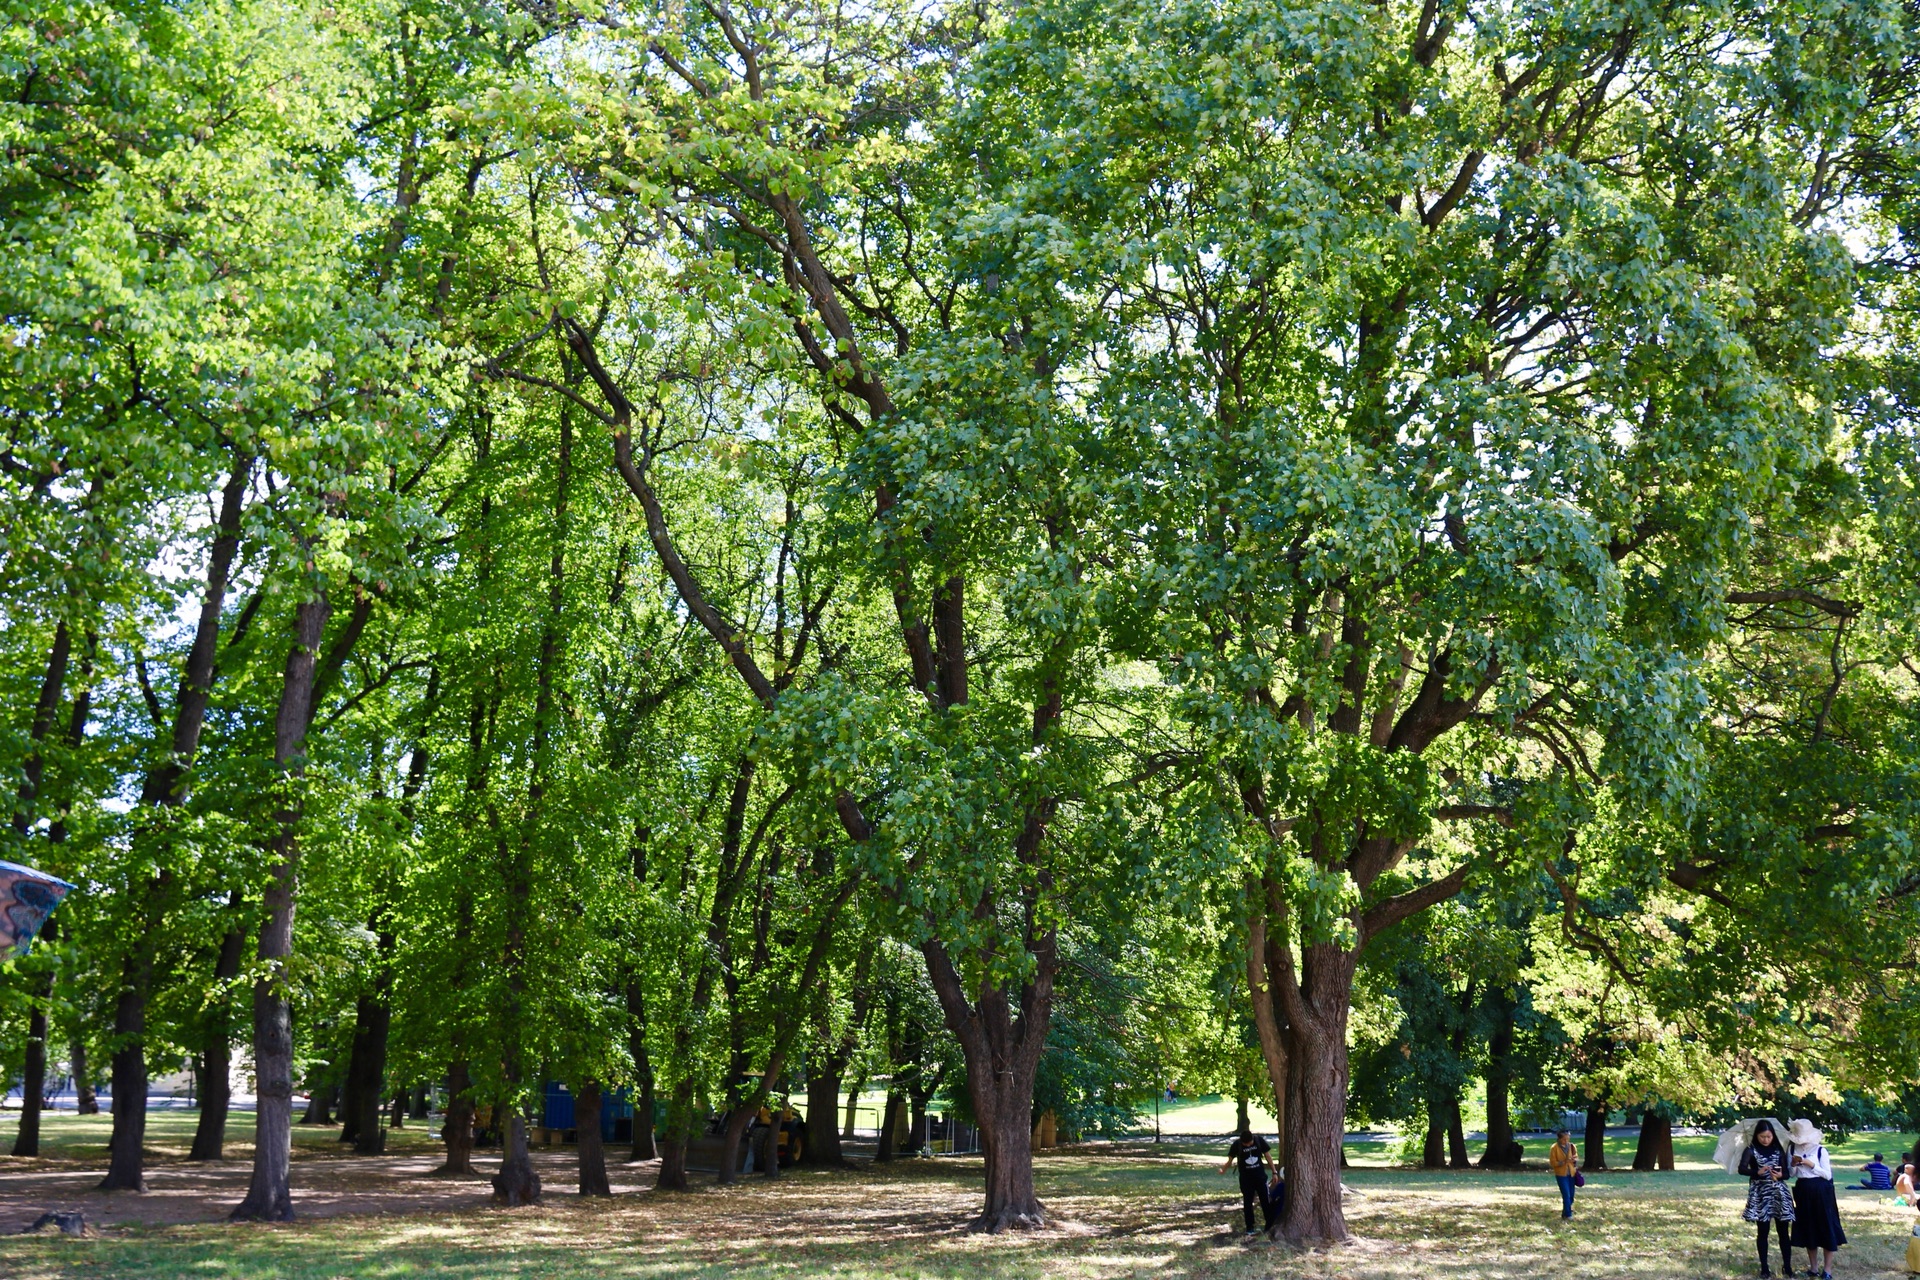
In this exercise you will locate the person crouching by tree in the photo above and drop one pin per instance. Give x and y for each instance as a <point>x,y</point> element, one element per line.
<point>1565,1163</point>
<point>1248,1153</point>
<point>1765,1164</point>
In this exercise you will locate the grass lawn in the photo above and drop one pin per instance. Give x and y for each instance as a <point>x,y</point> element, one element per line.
<point>1131,1210</point>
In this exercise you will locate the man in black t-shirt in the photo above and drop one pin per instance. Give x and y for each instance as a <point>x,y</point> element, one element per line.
<point>1248,1154</point>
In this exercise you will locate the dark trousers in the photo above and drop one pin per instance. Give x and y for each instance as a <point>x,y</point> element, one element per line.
<point>1253,1191</point>
<point>1786,1252</point>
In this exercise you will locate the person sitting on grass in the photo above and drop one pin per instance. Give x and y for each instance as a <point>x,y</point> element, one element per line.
<point>1903,1187</point>
<point>1249,1154</point>
<point>1879,1177</point>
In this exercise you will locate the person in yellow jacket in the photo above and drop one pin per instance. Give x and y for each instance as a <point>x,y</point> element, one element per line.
<point>1566,1166</point>
<point>1913,1248</point>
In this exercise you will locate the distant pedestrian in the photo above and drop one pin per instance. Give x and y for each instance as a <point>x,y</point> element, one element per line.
<point>1565,1163</point>
<point>1816,1214</point>
<point>1765,1165</point>
<point>1248,1154</point>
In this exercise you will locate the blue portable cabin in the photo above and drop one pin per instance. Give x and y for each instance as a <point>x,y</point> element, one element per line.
<point>616,1112</point>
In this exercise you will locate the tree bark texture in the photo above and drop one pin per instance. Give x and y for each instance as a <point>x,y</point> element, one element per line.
<point>516,1184</point>
<point>456,1129</point>
<point>163,788</point>
<point>1500,1152</point>
<point>216,1049</point>
<point>86,1103</point>
<point>1596,1154</point>
<point>1655,1149</point>
<point>372,1021</point>
<point>593,1154</point>
<point>1316,1040</point>
<point>889,1126</point>
<point>33,1081</point>
<point>269,1198</point>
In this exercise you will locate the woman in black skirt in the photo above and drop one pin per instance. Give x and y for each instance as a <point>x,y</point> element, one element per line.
<point>1765,1164</point>
<point>1816,1214</point>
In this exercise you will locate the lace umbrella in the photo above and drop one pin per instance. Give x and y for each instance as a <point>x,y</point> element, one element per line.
<point>1734,1142</point>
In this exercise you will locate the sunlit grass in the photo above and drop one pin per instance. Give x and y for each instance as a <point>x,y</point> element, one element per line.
<point>1132,1211</point>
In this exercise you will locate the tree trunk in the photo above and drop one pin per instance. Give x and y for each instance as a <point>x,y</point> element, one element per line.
<point>33,1084</point>
<point>738,1121</point>
<point>417,1103</point>
<point>397,1113</point>
<point>1316,1041</point>
<point>456,1129</point>
<point>1268,1018</point>
<point>823,1105</point>
<point>770,1147</point>
<point>1596,1155</point>
<point>1242,1122</point>
<point>372,1021</point>
<point>165,787</point>
<point>320,1102</point>
<point>1656,1142</point>
<point>354,1083</point>
<point>644,1146</point>
<point>85,1101</point>
<point>126,1149</point>
<point>216,1050</point>
<point>1433,1154</point>
<point>889,1126</point>
<point>269,1198</point>
<point>1456,1138</point>
<point>853,1108</point>
<point>1499,1152</point>
<point>593,1156</point>
<point>516,1184</point>
<point>673,1142</point>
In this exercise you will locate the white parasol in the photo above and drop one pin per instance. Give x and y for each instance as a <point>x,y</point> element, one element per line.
<point>1735,1141</point>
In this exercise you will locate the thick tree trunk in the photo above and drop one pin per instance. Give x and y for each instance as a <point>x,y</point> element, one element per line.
<point>1316,1040</point>
<point>1456,1138</point>
<point>354,1082</point>
<point>1596,1154</point>
<point>889,1126</point>
<point>1433,1155</point>
<point>397,1111</point>
<point>126,1149</point>
<point>320,1094</point>
<point>769,1154</point>
<point>738,1121</point>
<point>372,1021</point>
<point>456,1129</point>
<point>1268,1018</point>
<point>644,1146</point>
<point>269,1198</point>
<point>33,1083</point>
<point>1002,1054</point>
<point>593,1155</point>
<point>1499,1153</point>
<point>1655,1150</point>
<point>516,1184</point>
<point>823,1105</point>
<point>164,787</point>
<point>86,1103</point>
<point>673,1141</point>
<point>216,1051</point>
<point>417,1103</point>
<point>853,1108</point>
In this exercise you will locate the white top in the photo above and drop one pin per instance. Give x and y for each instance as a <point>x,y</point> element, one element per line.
<point>1818,1166</point>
